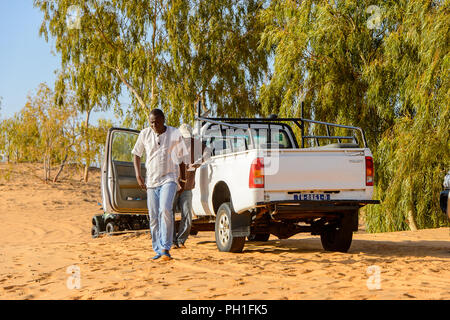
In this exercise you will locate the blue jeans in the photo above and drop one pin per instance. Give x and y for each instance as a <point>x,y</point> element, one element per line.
<point>184,201</point>
<point>160,210</point>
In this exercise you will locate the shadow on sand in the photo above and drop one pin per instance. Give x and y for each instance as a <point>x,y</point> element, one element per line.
<point>375,248</point>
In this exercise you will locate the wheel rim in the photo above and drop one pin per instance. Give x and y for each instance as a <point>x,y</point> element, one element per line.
<point>109,228</point>
<point>224,229</point>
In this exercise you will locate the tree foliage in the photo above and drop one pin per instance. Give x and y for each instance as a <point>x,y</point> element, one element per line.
<point>214,56</point>
<point>50,132</point>
<point>392,80</point>
<point>168,54</point>
<point>414,153</point>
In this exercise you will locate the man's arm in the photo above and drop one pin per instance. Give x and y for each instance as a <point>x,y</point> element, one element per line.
<point>137,170</point>
<point>206,155</point>
<point>182,177</point>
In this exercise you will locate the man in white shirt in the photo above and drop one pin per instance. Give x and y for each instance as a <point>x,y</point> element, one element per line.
<point>164,149</point>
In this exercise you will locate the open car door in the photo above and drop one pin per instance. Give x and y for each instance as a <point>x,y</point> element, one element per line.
<point>120,190</point>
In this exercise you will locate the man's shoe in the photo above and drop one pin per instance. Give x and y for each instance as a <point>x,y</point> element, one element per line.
<point>175,246</point>
<point>166,256</point>
<point>156,257</point>
<point>181,246</point>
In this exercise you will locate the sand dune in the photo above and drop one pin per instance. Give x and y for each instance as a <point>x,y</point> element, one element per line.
<point>45,230</point>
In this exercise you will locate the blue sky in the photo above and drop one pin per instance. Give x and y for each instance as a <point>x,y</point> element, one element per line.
<point>26,59</point>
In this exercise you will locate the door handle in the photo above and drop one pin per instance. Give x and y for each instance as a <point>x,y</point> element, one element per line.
<point>348,153</point>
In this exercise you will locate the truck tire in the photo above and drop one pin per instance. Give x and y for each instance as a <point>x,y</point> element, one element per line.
<point>95,232</point>
<point>97,226</point>
<point>259,237</point>
<point>111,227</point>
<point>338,238</point>
<point>225,240</point>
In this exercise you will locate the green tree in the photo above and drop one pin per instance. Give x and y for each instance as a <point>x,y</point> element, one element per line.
<point>83,141</point>
<point>414,153</point>
<point>214,56</point>
<point>321,51</point>
<point>26,136</point>
<point>95,144</point>
<point>167,54</point>
<point>116,44</point>
<point>48,120</point>
<point>7,137</point>
<point>70,133</point>
<point>19,137</point>
<point>390,78</point>
<point>49,129</point>
<point>99,138</point>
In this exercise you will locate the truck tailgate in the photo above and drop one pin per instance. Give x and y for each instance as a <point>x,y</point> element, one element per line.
<point>316,170</point>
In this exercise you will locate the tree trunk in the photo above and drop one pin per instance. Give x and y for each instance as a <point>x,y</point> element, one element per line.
<point>152,97</point>
<point>411,221</point>
<point>203,103</point>
<point>61,167</point>
<point>46,168</point>
<point>86,173</point>
<point>8,153</point>
<point>133,90</point>
<point>88,155</point>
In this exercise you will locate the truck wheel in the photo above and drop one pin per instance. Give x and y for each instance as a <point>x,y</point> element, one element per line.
<point>259,237</point>
<point>111,227</point>
<point>224,237</point>
<point>95,232</point>
<point>338,238</point>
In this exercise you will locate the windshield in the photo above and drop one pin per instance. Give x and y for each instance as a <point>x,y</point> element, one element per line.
<point>234,140</point>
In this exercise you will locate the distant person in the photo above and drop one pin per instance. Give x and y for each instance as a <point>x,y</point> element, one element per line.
<point>197,152</point>
<point>164,148</point>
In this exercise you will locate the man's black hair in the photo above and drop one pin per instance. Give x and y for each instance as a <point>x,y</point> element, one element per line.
<point>157,113</point>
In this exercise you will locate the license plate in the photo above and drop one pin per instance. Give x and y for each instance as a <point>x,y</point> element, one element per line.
<point>311,196</point>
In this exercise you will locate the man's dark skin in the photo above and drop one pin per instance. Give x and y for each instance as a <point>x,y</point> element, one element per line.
<point>157,125</point>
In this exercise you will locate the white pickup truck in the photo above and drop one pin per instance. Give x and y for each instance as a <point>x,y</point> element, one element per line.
<point>258,181</point>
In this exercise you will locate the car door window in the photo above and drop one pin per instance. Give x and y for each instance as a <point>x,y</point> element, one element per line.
<point>122,144</point>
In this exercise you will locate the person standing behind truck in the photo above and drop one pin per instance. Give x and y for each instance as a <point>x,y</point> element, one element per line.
<point>164,149</point>
<point>183,199</point>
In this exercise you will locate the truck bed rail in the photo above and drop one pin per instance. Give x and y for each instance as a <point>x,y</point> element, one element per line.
<point>299,122</point>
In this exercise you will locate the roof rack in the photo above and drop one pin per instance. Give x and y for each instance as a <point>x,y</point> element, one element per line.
<point>299,122</point>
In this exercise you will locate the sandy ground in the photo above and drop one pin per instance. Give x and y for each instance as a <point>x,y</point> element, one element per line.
<point>45,233</point>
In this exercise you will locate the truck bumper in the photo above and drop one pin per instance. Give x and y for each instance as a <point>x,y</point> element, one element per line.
<point>319,205</point>
<point>310,209</point>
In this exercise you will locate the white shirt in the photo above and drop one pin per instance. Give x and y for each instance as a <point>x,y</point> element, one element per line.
<point>163,153</point>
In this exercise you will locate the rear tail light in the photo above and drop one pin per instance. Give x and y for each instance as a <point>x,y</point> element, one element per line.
<point>369,171</point>
<point>256,177</point>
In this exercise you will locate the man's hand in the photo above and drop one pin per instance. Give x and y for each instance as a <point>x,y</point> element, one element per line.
<point>141,183</point>
<point>192,167</point>
<point>182,184</point>
<point>137,170</point>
